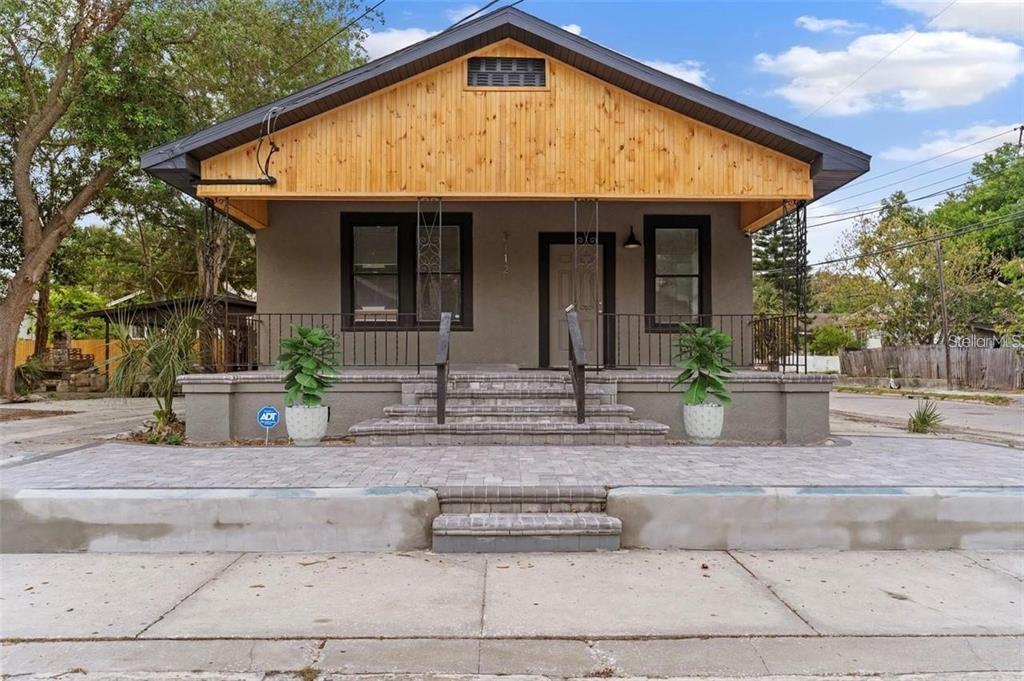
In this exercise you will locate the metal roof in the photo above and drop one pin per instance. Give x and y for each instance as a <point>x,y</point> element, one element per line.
<point>832,164</point>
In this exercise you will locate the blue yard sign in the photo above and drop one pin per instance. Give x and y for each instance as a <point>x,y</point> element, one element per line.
<point>268,417</point>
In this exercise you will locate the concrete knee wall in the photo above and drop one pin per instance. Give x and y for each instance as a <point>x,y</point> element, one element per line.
<point>819,517</point>
<point>170,520</point>
<point>767,408</point>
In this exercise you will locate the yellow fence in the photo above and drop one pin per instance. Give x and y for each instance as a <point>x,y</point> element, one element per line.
<point>88,346</point>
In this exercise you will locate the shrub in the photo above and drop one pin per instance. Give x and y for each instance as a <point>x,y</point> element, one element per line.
<point>829,340</point>
<point>29,376</point>
<point>153,364</point>
<point>700,354</point>
<point>308,356</point>
<point>925,419</point>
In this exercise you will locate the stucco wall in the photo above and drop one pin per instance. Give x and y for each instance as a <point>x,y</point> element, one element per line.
<point>299,264</point>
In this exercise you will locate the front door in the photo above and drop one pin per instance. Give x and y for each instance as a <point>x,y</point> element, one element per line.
<point>589,303</point>
<point>593,277</point>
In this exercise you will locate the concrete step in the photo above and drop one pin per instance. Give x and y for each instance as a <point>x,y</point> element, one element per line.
<point>522,499</point>
<point>557,395</point>
<point>399,432</point>
<point>533,413</point>
<point>525,532</point>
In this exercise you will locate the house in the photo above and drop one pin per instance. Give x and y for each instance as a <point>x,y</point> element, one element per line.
<point>502,171</point>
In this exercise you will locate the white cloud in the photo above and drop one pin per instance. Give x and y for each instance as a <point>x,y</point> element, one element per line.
<point>575,29</point>
<point>817,25</point>
<point>929,71</point>
<point>689,70</point>
<point>943,141</point>
<point>1003,17</point>
<point>380,43</point>
<point>460,12</point>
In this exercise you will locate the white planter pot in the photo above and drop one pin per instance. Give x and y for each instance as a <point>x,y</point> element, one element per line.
<point>306,425</point>
<point>703,422</point>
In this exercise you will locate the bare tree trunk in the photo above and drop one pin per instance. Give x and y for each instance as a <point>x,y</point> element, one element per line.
<point>42,316</point>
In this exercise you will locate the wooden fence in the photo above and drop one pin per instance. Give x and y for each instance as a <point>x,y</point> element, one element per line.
<point>979,368</point>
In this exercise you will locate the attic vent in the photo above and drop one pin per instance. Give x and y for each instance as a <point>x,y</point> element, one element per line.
<point>506,72</point>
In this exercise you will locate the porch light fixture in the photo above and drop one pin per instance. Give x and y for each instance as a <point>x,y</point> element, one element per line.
<point>631,240</point>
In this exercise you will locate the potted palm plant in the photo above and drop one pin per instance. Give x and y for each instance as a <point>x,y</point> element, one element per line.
<point>704,368</point>
<point>310,358</point>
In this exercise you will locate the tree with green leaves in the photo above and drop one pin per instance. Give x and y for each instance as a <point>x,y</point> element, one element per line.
<point>88,85</point>
<point>777,262</point>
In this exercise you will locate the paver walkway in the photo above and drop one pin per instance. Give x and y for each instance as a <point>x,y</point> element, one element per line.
<point>877,461</point>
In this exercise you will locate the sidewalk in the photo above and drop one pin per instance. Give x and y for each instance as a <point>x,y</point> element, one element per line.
<point>86,422</point>
<point>636,613</point>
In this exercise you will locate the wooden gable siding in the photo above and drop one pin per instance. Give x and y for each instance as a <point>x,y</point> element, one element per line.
<point>433,136</point>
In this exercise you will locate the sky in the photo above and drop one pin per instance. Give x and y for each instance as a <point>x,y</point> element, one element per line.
<point>903,80</point>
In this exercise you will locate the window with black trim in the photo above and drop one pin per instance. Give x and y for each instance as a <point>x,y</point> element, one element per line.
<point>506,72</point>
<point>675,265</point>
<point>393,272</point>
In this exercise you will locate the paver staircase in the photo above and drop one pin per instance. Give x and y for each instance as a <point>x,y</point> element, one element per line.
<point>496,519</point>
<point>522,407</point>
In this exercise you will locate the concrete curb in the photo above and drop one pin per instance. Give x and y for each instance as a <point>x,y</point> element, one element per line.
<point>759,518</point>
<point>170,520</point>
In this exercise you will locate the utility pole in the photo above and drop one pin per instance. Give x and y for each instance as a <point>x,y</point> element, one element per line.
<point>945,317</point>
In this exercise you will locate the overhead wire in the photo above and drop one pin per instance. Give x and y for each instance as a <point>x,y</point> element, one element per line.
<point>976,227</point>
<point>864,180</point>
<point>332,36</point>
<point>854,214</point>
<point>913,34</point>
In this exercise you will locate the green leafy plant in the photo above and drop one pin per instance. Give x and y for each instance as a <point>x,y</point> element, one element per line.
<point>701,356</point>
<point>829,340</point>
<point>29,376</point>
<point>925,419</point>
<point>309,356</point>
<point>152,365</point>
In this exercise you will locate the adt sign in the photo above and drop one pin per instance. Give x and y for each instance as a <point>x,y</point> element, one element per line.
<point>268,417</point>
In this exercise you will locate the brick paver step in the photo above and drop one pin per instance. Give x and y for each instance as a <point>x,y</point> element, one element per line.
<point>522,498</point>
<point>427,413</point>
<point>502,524</point>
<point>525,532</point>
<point>402,432</point>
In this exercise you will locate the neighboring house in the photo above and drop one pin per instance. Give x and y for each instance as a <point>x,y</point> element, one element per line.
<point>501,171</point>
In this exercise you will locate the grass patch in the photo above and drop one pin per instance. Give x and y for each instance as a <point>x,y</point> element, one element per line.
<point>998,400</point>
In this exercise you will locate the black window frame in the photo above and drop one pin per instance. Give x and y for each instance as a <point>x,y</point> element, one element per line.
<point>407,266</point>
<point>653,223</point>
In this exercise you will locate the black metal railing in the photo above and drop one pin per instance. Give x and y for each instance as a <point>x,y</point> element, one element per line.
<point>365,339</point>
<point>577,363</point>
<point>771,342</point>
<point>441,362</point>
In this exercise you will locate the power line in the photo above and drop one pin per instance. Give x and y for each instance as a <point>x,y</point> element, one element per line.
<point>852,215</point>
<point>332,37</point>
<point>473,14</point>
<point>937,156</point>
<point>866,71</point>
<point>977,227</point>
<point>907,191</point>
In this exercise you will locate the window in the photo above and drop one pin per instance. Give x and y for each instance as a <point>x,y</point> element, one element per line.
<point>506,72</point>
<point>392,271</point>
<point>676,256</point>
<point>439,284</point>
<point>375,271</point>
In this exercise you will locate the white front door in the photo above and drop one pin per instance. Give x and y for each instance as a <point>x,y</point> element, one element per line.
<point>589,304</point>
